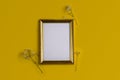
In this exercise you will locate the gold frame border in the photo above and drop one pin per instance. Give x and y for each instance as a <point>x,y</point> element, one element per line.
<point>41,60</point>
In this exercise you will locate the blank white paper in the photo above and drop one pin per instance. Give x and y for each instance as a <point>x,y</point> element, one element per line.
<point>56,41</point>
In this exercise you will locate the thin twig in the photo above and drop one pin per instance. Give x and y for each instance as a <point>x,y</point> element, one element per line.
<point>36,64</point>
<point>77,55</point>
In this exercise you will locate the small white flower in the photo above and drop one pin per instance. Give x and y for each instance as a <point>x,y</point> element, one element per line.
<point>68,8</point>
<point>26,53</point>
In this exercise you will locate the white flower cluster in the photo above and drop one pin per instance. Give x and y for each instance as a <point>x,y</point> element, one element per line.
<point>27,54</point>
<point>68,9</point>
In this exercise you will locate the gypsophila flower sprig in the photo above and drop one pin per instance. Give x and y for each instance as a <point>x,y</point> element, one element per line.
<point>69,11</point>
<point>28,55</point>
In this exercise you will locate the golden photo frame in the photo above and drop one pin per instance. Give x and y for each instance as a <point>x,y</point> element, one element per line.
<point>56,41</point>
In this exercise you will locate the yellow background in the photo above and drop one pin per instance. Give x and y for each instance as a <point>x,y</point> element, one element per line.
<point>97,38</point>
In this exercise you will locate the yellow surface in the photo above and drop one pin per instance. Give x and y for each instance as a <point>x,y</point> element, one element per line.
<point>97,38</point>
